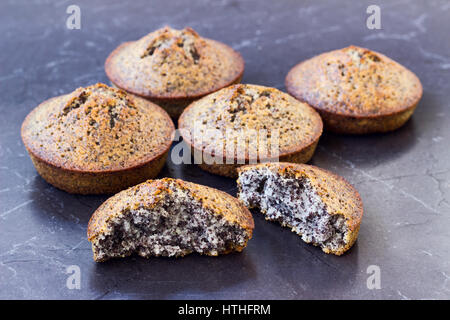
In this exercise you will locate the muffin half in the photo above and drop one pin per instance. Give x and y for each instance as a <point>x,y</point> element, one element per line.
<point>356,90</point>
<point>97,140</point>
<point>173,67</point>
<point>171,218</point>
<point>244,124</point>
<point>321,207</point>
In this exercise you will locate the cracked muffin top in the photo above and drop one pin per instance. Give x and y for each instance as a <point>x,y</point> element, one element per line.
<point>97,128</point>
<point>170,63</point>
<point>244,115</point>
<point>356,82</point>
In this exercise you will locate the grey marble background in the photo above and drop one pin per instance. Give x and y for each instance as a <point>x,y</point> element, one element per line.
<point>403,176</point>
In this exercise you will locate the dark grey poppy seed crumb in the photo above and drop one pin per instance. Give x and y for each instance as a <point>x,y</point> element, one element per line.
<point>294,203</point>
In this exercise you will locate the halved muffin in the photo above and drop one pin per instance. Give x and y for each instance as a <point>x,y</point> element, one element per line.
<point>321,207</point>
<point>356,90</point>
<point>97,139</point>
<point>244,124</point>
<point>169,217</point>
<point>172,68</point>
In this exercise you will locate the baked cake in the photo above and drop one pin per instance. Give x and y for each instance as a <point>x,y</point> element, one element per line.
<point>169,217</point>
<point>172,67</point>
<point>356,90</point>
<point>321,207</point>
<point>245,123</point>
<point>97,140</point>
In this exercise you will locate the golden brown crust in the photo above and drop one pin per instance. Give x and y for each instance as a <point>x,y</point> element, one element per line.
<point>242,110</point>
<point>339,196</point>
<point>107,182</point>
<point>171,66</point>
<point>356,90</point>
<point>97,139</point>
<point>149,193</point>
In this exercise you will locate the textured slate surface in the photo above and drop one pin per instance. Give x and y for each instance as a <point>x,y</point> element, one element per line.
<point>403,177</point>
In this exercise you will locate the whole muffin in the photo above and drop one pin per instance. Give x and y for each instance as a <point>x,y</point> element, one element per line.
<point>172,67</point>
<point>169,217</point>
<point>321,207</point>
<point>356,91</point>
<point>244,124</point>
<point>97,140</point>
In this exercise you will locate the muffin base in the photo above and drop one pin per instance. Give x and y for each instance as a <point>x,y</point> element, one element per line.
<point>107,182</point>
<point>230,170</point>
<point>364,125</point>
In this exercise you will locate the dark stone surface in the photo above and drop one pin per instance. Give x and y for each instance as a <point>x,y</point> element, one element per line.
<point>403,176</point>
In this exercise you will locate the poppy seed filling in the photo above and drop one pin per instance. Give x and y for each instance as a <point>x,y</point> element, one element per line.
<point>294,203</point>
<point>176,226</point>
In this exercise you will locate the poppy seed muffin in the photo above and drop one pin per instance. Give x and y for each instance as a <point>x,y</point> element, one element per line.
<point>355,90</point>
<point>97,140</point>
<point>244,124</point>
<point>321,207</point>
<point>172,67</point>
<point>169,217</point>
